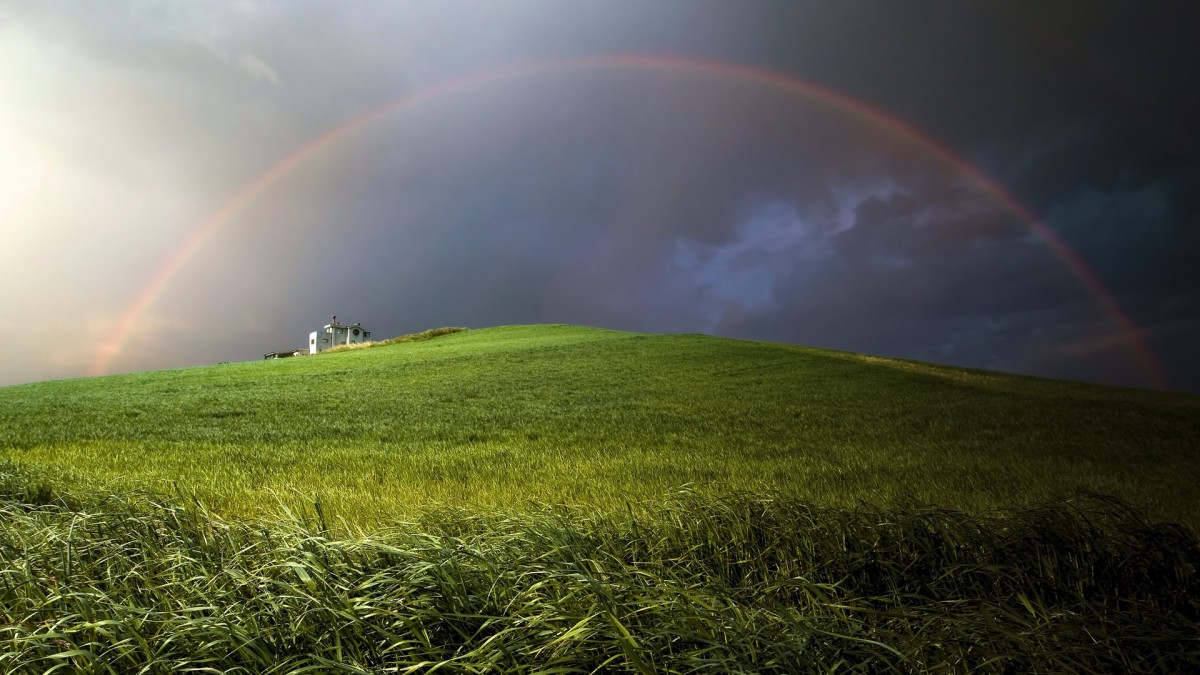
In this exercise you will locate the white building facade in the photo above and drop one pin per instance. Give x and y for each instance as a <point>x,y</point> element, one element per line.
<point>334,334</point>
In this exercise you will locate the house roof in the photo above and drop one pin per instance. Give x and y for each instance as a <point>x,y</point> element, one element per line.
<point>281,352</point>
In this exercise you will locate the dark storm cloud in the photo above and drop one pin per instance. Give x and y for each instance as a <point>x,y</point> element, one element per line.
<point>1086,113</point>
<point>1129,208</point>
<point>907,262</point>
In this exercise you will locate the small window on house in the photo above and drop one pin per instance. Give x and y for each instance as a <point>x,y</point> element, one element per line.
<point>356,332</point>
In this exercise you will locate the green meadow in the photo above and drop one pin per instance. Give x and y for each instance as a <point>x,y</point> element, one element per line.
<point>561,499</point>
<point>512,416</point>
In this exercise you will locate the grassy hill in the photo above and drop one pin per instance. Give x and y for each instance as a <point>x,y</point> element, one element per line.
<point>553,413</point>
<point>556,499</point>
<point>504,416</point>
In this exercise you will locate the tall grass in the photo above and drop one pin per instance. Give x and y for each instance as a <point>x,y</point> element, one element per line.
<point>744,583</point>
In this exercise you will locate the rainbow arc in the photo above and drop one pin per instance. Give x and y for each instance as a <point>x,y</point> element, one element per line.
<point>842,103</point>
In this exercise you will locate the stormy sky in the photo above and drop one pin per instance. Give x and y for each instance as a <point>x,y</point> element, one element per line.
<point>1011,186</point>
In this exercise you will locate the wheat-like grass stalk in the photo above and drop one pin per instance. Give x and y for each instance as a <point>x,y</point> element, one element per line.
<point>137,582</point>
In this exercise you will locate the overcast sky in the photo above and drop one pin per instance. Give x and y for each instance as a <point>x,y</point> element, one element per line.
<point>849,175</point>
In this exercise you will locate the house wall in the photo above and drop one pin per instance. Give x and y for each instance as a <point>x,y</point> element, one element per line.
<point>355,334</point>
<point>318,341</point>
<point>330,335</point>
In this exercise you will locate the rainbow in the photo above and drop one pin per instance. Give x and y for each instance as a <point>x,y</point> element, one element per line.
<point>844,104</point>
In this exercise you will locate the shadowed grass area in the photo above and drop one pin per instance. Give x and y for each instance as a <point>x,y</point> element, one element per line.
<point>750,583</point>
<point>502,417</point>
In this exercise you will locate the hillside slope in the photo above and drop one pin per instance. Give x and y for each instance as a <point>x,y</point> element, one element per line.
<point>502,416</point>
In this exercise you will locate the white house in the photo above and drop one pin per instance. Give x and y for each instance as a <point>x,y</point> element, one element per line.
<point>334,334</point>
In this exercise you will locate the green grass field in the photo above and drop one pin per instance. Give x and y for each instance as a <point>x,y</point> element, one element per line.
<point>502,417</point>
<point>558,499</point>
